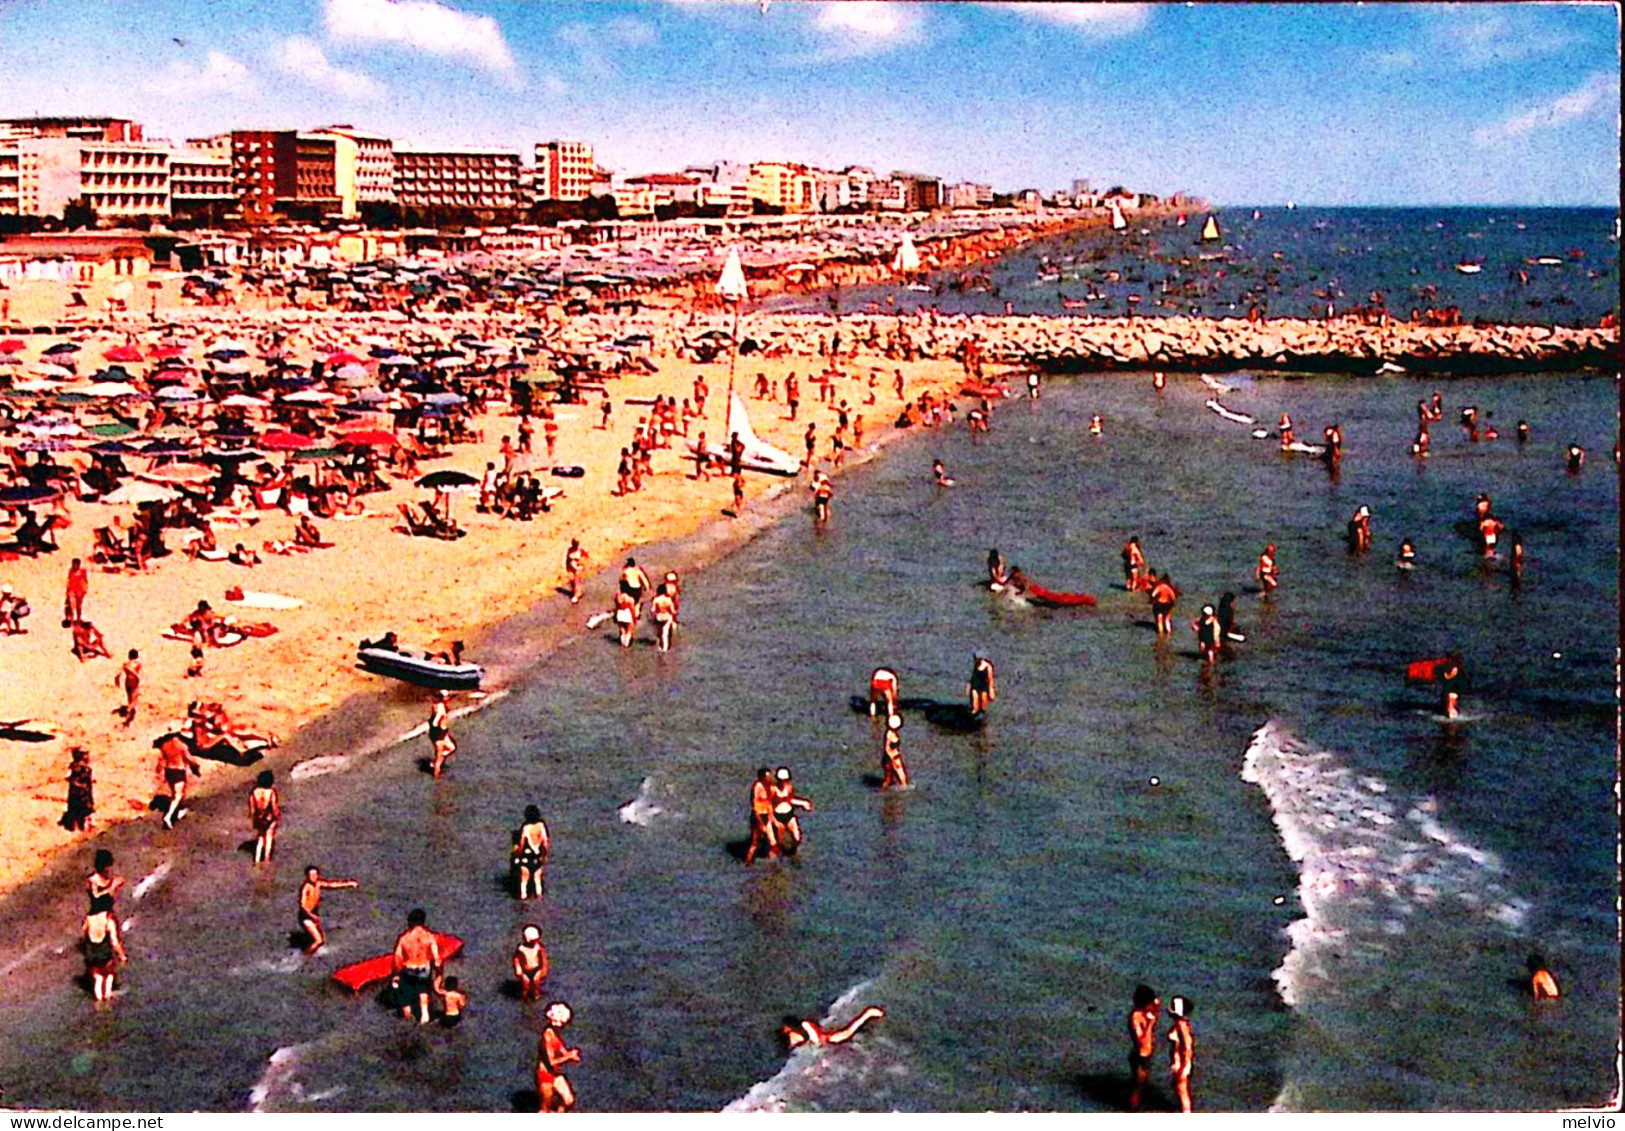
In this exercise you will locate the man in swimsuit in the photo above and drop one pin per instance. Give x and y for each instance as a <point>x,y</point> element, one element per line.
<point>1181,1051</point>
<point>1489,533</point>
<point>801,1031</point>
<point>823,491</point>
<point>264,813</point>
<point>762,829</point>
<point>634,582</point>
<point>415,961</point>
<point>1542,986</point>
<point>1134,573</point>
<point>982,688</point>
<point>530,852</point>
<point>1142,1035</point>
<point>440,733</point>
<point>1269,577</point>
<point>310,903</point>
<point>552,1054</point>
<point>174,760</point>
<point>1163,599</point>
<point>129,678</point>
<point>104,949</point>
<point>893,772</point>
<point>530,963</point>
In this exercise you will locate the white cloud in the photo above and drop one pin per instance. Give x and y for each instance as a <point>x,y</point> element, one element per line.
<point>218,74</point>
<point>854,29</point>
<point>422,25</point>
<point>595,44</point>
<point>1477,38</point>
<point>1598,96</point>
<point>1098,21</point>
<point>304,59</point>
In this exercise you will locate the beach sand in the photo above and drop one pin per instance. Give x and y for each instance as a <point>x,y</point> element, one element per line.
<point>374,579</point>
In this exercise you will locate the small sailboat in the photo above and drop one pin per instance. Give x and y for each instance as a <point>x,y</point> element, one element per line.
<point>758,454</point>
<point>1291,206</point>
<point>907,259</point>
<point>1257,215</point>
<point>1468,267</point>
<point>731,284</point>
<point>1181,221</point>
<point>1118,223</point>
<point>1210,230</point>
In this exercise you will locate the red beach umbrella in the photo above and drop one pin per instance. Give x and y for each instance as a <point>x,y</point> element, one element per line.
<point>123,353</point>
<point>164,353</point>
<point>10,345</point>
<point>285,442</point>
<point>192,473</point>
<point>340,357</point>
<point>368,438</point>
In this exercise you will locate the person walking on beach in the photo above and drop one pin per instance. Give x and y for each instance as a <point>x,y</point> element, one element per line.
<point>81,792</point>
<point>575,559</point>
<point>129,680</point>
<point>810,441</point>
<point>440,733</point>
<point>103,947</point>
<point>531,849</point>
<point>762,829</point>
<point>1181,1051</point>
<point>1142,1036</point>
<point>310,903</point>
<point>823,491</point>
<point>739,495</point>
<point>530,963</point>
<point>982,687</point>
<point>415,962</point>
<point>663,610</point>
<point>73,601</point>
<point>265,814</point>
<point>174,760</point>
<point>552,1054</point>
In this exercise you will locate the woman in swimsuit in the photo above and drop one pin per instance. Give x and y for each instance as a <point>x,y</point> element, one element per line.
<point>981,688</point>
<point>104,949</point>
<point>440,734</point>
<point>530,963</point>
<point>664,611</point>
<point>785,803</point>
<point>265,812</point>
<point>893,773</point>
<point>530,852</point>
<point>552,1054</point>
<point>102,881</point>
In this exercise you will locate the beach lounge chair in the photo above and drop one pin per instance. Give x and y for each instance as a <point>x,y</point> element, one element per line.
<point>429,524</point>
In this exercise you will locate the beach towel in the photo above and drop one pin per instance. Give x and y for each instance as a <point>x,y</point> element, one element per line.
<point>249,599</point>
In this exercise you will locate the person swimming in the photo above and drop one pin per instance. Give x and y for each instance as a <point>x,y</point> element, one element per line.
<point>1542,986</point>
<point>998,574</point>
<point>801,1031</point>
<point>1407,555</point>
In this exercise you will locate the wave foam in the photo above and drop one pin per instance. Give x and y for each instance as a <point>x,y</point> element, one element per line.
<point>645,807</point>
<point>1368,861</point>
<point>279,1082</point>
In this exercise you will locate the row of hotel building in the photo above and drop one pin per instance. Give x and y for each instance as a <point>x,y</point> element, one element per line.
<point>46,164</point>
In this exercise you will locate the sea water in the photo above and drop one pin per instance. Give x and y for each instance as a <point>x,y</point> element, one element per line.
<point>1294,263</point>
<point>1344,885</point>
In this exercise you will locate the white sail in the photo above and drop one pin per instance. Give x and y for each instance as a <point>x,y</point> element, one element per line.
<point>758,454</point>
<point>908,256</point>
<point>1118,223</point>
<point>1210,230</point>
<point>731,285</point>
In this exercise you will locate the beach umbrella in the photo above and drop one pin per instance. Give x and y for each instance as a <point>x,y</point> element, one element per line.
<point>448,480</point>
<point>45,444</point>
<point>354,374</point>
<point>156,449</point>
<point>341,357</point>
<point>123,353</point>
<point>136,492</point>
<point>234,369</point>
<point>112,448</point>
<point>231,455</point>
<point>285,442</point>
<point>178,393</point>
<point>372,394</point>
<point>61,349</point>
<point>112,430</point>
<point>368,438</point>
<point>186,473</point>
<point>228,354</point>
<point>243,400</point>
<point>110,389</point>
<point>11,345</point>
<point>443,399</point>
<point>231,344</point>
<point>312,454</point>
<point>27,495</point>
<point>71,398</point>
<point>46,369</point>
<point>310,396</point>
<point>167,353</point>
<point>51,426</point>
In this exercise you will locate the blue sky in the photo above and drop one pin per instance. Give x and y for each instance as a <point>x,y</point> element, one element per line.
<point>1324,104</point>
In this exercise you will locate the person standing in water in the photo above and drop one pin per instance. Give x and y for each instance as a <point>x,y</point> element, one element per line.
<point>1542,986</point>
<point>663,610</point>
<point>1134,571</point>
<point>530,963</point>
<point>104,948</point>
<point>1359,530</point>
<point>1407,555</point>
<point>1142,1037</point>
<point>265,814</point>
<point>1181,1051</point>
<point>552,1055</point>
<point>785,803</point>
<point>415,961</point>
<point>983,686</point>
<point>823,491</point>
<point>1269,576</point>
<point>174,760</point>
<point>763,830</point>
<point>1163,599</point>
<point>1209,635</point>
<point>998,574</point>
<point>1447,674</point>
<point>531,849</point>
<point>440,733</point>
<point>310,903</point>
<point>883,690</point>
<point>575,560</point>
<point>101,880</point>
<point>893,772</point>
